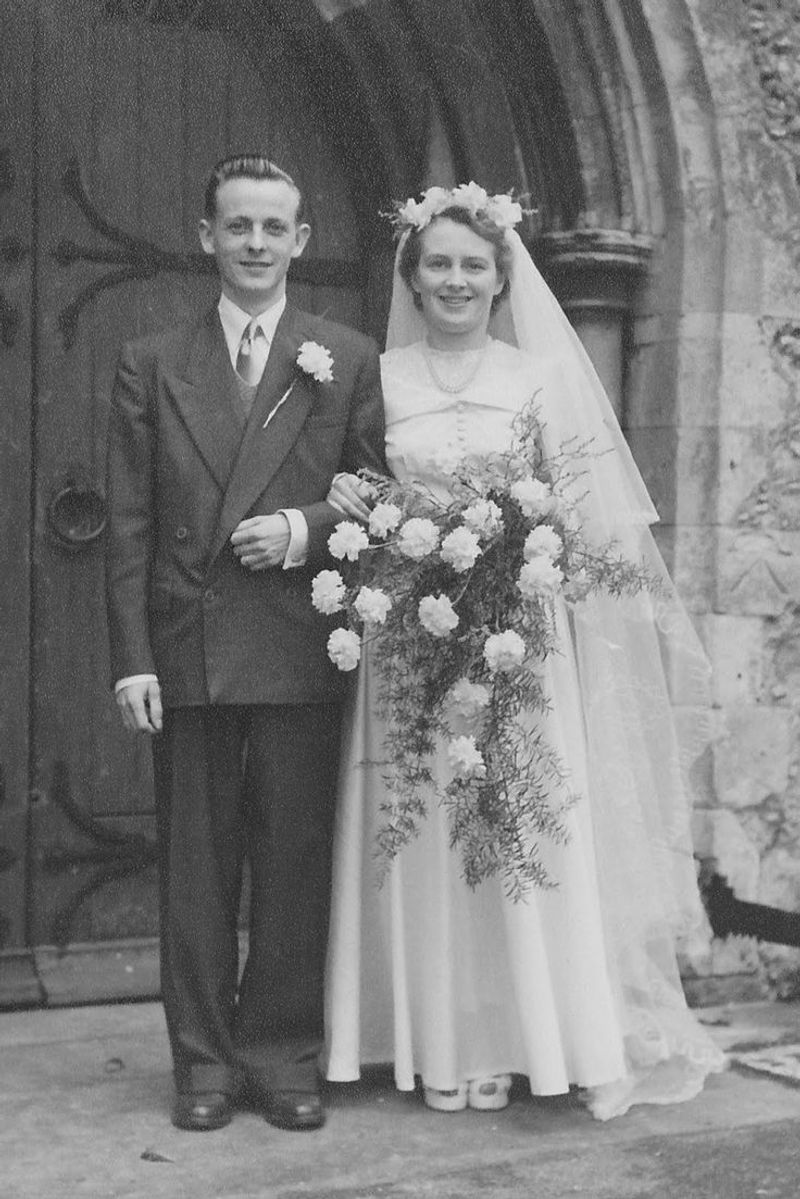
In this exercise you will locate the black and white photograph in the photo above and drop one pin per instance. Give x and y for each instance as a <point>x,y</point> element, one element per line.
<point>400,599</point>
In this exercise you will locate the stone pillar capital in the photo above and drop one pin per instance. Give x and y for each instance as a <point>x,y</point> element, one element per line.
<point>594,268</point>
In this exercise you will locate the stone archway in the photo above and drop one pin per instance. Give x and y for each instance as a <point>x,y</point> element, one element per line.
<point>601,113</point>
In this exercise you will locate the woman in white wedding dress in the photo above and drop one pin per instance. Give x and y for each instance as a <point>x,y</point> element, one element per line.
<point>576,985</point>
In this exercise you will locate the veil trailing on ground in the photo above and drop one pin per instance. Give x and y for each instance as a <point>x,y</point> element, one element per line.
<point>645,698</point>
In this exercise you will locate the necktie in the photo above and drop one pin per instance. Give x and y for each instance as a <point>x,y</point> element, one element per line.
<point>252,356</point>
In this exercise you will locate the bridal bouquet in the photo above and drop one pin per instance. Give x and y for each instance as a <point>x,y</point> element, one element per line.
<point>456,599</point>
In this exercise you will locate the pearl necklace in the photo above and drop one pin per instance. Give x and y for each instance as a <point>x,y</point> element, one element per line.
<point>461,381</point>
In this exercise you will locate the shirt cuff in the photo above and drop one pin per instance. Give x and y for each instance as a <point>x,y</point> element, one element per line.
<point>298,538</point>
<point>134,678</point>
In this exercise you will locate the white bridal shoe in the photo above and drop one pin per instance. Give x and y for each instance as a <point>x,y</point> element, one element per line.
<point>446,1101</point>
<point>482,1094</point>
<point>489,1094</point>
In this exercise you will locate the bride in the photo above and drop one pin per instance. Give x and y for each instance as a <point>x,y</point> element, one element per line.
<point>577,985</point>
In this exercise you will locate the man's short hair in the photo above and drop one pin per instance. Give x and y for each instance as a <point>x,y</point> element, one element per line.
<point>246,166</point>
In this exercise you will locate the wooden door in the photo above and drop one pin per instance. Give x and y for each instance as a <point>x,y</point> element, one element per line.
<point>130,103</point>
<point>17,978</point>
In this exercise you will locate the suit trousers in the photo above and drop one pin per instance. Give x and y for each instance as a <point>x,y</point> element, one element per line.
<point>236,783</point>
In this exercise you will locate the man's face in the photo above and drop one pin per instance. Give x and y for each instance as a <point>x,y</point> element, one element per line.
<point>254,236</point>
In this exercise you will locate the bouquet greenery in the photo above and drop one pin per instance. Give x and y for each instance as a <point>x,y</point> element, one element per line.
<point>456,600</point>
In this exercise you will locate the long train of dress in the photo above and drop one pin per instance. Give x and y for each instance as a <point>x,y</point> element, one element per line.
<point>573,986</point>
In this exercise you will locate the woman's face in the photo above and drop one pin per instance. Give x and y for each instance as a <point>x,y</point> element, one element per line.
<point>456,281</point>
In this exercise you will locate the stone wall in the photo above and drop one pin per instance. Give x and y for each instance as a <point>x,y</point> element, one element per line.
<point>751,824</point>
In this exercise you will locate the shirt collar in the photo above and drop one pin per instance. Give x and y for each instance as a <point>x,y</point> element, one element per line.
<point>235,320</point>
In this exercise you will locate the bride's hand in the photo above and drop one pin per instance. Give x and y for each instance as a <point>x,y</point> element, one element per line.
<point>353,496</point>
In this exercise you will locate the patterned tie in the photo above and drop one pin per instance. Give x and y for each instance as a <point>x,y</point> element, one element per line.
<point>252,356</point>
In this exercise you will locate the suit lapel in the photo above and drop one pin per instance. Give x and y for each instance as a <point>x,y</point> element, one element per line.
<point>205,398</point>
<point>272,427</point>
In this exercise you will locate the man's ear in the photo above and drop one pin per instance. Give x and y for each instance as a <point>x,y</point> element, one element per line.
<point>302,234</point>
<point>206,236</point>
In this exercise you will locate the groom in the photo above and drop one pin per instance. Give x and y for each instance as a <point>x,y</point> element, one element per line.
<point>224,438</point>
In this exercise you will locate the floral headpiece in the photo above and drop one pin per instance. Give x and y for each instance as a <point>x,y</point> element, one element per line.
<point>416,214</point>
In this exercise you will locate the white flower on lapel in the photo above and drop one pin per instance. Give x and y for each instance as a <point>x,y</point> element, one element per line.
<point>313,359</point>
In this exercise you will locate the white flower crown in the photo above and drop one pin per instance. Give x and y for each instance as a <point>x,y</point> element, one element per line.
<point>501,209</point>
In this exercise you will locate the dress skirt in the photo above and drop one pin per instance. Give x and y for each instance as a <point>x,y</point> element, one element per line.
<point>451,983</point>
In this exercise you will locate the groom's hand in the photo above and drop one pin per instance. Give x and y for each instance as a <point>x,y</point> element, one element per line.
<point>140,706</point>
<point>261,541</point>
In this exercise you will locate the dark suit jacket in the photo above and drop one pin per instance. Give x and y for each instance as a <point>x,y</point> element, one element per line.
<point>181,475</point>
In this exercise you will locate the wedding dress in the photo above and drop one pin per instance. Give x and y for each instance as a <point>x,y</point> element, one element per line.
<point>576,985</point>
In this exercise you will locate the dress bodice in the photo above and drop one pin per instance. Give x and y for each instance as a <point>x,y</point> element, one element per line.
<point>427,427</point>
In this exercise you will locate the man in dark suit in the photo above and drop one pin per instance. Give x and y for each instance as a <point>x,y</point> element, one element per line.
<point>224,438</point>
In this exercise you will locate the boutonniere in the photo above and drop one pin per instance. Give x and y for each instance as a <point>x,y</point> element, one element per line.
<point>312,360</point>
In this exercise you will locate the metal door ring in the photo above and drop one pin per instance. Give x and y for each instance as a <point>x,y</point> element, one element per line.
<point>77,515</point>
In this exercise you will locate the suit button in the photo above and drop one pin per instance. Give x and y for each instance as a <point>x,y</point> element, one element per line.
<point>181,533</point>
<point>209,595</point>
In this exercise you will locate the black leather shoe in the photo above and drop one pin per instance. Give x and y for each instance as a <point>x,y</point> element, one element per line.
<point>201,1111</point>
<point>293,1110</point>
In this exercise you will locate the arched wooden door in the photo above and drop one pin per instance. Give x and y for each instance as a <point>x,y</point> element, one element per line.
<point>119,109</point>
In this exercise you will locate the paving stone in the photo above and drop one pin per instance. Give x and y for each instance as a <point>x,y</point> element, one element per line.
<point>84,1114</point>
<point>781,1061</point>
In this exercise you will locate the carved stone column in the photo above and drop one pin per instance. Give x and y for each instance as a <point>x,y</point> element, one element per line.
<point>595,273</point>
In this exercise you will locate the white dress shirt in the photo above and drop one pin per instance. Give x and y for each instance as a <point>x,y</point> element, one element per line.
<point>234,321</point>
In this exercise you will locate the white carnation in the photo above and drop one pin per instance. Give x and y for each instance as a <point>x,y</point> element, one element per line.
<point>347,540</point>
<point>413,213</point>
<point>418,537</point>
<point>372,605</point>
<point>468,699</point>
<point>460,549</point>
<point>533,496</point>
<point>504,651</point>
<point>471,196</point>
<point>434,199</point>
<point>327,592</point>
<point>419,213</point>
<point>344,648</point>
<point>465,758</point>
<point>384,519</point>
<point>484,517</point>
<point>542,540</point>
<point>316,361</point>
<point>437,615</point>
<point>504,211</point>
<point>539,577</point>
